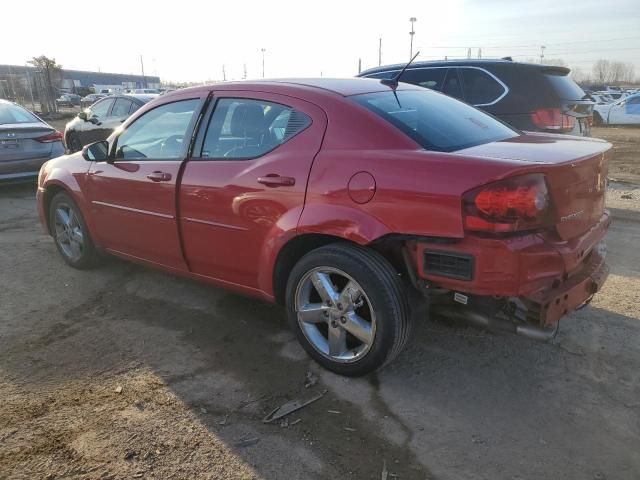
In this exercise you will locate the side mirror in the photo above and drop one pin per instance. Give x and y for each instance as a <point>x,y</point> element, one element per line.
<point>96,152</point>
<point>83,116</point>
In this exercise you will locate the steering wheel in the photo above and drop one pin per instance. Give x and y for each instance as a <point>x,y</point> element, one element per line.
<point>172,144</point>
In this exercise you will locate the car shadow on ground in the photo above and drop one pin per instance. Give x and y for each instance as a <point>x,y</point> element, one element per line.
<point>458,401</point>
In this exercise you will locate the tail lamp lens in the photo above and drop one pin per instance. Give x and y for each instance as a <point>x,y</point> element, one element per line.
<point>510,205</point>
<point>52,137</point>
<point>553,119</point>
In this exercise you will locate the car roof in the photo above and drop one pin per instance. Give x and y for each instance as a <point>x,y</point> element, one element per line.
<point>478,62</point>
<point>341,86</point>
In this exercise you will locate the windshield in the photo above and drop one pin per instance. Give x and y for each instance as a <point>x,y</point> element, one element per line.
<point>435,121</point>
<point>13,114</point>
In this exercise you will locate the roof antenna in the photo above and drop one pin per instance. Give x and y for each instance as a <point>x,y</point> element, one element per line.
<point>393,82</point>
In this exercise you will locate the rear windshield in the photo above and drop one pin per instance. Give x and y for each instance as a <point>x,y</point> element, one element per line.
<point>435,121</point>
<point>13,114</point>
<point>564,87</point>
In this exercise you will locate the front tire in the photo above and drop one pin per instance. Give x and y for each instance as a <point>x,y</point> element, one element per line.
<point>73,143</point>
<point>348,308</point>
<point>70,233</point>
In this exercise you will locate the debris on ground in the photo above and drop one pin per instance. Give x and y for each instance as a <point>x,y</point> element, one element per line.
<point>334,412</point>
<point>118,389</point>
<point>385,472</point>
<point>292,406</point>
<point>246,442</point>
<point>310,379</point>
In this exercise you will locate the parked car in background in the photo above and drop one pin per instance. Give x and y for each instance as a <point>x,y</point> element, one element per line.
<point>91,99</point>
<point>527,96</point>
<point>26,142</point>
<point>335,197</point>
<point>99,120</point>
<point>622,112</point>
<point>599,98</point>
<point>68,100</point>
<point>144,90</point>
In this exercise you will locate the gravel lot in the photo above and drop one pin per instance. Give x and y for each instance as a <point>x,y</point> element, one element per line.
<point>124,372</point>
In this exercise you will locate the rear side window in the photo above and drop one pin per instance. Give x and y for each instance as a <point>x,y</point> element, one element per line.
<point>435,121</point>
<point>432,78</point>
<point>564,86</point>
<point>480,88</point>
<point>244,128</point>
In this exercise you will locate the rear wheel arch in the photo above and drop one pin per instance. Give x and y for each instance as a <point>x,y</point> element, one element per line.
<point>290,253</point>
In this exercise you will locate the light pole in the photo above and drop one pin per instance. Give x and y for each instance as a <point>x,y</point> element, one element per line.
<point>411,34</point>
<point>263,50</point>
<point>542,47</point>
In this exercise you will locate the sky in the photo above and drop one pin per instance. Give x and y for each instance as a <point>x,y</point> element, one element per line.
<point>193,41</point>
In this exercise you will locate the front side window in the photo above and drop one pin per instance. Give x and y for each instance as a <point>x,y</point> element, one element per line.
<point>480,88</point>
<point>121,107</point>
<point>100,109</point>
<point>434,121</point>
<point>451,85</point>
<point>432,78</point>
<point>244,128</point>
<point>159,134</point>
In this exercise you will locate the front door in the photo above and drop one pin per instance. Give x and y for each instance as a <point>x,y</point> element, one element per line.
<point>94,129</point>
<point>246,181</point>
<point>626,112</point>
<point>133,197</point>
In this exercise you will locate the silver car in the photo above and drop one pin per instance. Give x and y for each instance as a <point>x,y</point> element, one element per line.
<point>26,142</point>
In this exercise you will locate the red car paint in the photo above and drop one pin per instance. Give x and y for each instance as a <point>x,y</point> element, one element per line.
<point>352,176</point>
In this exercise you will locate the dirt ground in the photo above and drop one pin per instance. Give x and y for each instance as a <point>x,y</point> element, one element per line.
<point>125,372</point>
<point>626,146</point>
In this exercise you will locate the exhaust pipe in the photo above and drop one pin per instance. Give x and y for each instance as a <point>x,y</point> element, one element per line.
<point>500,325</point>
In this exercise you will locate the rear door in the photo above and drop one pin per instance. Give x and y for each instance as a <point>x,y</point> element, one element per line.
<point>246,181</point>
<point>133,198</point>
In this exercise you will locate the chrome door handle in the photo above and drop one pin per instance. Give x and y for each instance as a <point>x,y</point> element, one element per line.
<point>159,177</point>
<point>275,180</point>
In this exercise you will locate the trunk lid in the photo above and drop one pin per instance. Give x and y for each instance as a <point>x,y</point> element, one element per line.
<point>18,141</point>
<point>575,170</point>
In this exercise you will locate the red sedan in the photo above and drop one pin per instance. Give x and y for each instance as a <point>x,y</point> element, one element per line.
<point>335,198</point>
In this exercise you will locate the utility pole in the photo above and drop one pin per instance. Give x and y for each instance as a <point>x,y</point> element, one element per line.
<point>469,53</point>
<point>359,66</point>
<point>380,52</point>
<point>244,76</point>
<point>542,47</point>
<point>411,34</point>
<point>144,80</point>
<point>479,52</point>
<point>224,74</point>
<point>263,50</point>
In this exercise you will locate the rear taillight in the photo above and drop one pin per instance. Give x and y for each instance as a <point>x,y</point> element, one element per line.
<point>553,119</point>
<point>52,137</point>
<point>511,205</point>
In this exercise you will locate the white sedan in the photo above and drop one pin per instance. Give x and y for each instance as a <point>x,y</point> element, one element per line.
<point>622,112</point>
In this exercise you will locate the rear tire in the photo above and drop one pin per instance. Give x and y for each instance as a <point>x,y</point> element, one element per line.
<point>348,308</point>
<point>70,233</point>
<point>597,119</point>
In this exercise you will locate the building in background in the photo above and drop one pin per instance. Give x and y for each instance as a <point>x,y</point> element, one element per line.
<point>19,82</point>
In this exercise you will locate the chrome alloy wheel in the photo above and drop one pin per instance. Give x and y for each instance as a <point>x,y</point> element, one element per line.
<point>68,230</point>
<point>335,314</point>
